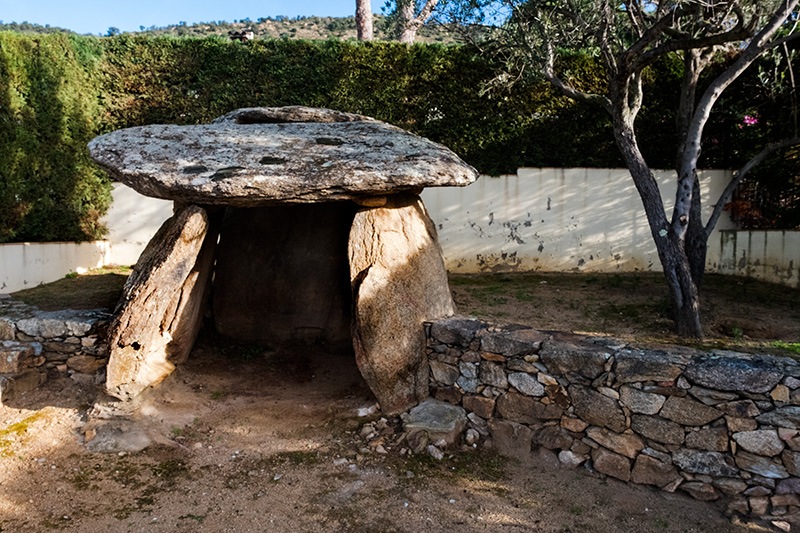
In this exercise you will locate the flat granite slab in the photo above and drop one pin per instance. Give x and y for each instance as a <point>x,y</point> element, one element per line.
<point>267,156</point>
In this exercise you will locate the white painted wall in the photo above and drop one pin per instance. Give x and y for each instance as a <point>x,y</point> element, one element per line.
<point>131,220</point>
<point>552,219</point>
<point>569,220</point>
<point>26,265</point>
<point>772,256</point>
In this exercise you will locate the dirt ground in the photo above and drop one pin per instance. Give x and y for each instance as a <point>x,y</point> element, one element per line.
<point>737,313</point>
<point>243,439</point>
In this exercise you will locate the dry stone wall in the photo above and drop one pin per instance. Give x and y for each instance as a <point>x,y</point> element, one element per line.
<point>37,344</point>
<point>713,425</point>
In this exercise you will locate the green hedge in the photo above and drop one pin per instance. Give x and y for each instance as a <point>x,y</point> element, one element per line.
<point>59,91</point>
<point>49,188</point>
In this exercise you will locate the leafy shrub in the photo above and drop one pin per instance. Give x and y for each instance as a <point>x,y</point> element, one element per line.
<point>58,91</point>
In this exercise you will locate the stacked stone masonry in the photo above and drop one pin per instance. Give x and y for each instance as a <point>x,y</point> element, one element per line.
<point>719,425</point>
<point>35,345</point>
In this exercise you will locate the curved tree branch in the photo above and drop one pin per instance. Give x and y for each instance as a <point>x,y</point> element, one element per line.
<point>781,41</point>
<point>739,175</point>
<point>754,49</point>
<point>550,75</point>
<point>647,58</point>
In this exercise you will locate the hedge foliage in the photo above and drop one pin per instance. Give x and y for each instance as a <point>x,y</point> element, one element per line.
<point>49,188</point>
<point>59,91</point>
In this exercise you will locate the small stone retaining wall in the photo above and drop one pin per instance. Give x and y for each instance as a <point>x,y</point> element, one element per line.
<point>37,344</point>
<point>713,425</point>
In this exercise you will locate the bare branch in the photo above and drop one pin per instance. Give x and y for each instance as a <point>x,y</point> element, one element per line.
<point>636,95</point>
<point>550,75</point>
<point>603,38</point>
<point>739,33</point>
<point>739,175</point>
<point>654,32</point>
<point>691,145</point>
<point>635,16</point>
<point>426,11</point>
<point>781,41</point>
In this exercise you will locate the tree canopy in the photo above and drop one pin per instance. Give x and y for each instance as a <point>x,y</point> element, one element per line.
<point>630,37</point>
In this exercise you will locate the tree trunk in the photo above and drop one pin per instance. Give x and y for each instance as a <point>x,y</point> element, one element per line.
<point>683,290</point>
<point>408,26</point>
<point>670,246</point>
<point>696,238</point>
<point>364,20</point>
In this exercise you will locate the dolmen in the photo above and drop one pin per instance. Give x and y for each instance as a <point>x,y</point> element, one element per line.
<point>290,224</point>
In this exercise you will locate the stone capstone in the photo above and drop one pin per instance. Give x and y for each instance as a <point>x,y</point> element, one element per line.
<point>398,282</point>
<point>266,156</point>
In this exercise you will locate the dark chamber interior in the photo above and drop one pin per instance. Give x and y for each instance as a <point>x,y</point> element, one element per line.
<point>282,274</point>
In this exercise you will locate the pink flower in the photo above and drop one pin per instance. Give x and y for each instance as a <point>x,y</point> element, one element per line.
<point>750,120</point>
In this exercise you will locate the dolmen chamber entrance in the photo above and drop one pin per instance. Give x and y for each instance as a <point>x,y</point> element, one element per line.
<point>296,224</point>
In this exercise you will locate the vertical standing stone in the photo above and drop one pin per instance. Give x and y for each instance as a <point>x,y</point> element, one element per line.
<point>160,313</point>
<point>398,280</point>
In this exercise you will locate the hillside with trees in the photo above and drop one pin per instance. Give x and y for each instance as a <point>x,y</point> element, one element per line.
<point>311,28</point>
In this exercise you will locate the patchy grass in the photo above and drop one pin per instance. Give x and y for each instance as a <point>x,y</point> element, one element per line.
<point>484,466</point>
<point>170,470</point>
<point>737,313</point>
<point>793,347</point>
<point>17,430</point>
<point>96,289</point>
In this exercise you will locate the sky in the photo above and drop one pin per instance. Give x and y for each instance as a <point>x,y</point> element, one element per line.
<point>96,16</point>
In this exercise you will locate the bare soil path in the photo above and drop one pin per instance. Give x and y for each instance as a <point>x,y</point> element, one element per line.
<point>243,439</point>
